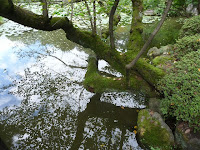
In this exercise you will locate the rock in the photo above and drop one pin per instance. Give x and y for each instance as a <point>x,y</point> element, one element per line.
<point>163,50</point>
<point>153,52</point>
<point>186,138</point>
<point>153,131</point>
<point>149,12</point>
<point>191,9</point>
<point>154,104</point>
<point>161,60</point>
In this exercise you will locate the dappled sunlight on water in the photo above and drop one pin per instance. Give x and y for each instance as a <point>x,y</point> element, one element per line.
<point>44,104</point>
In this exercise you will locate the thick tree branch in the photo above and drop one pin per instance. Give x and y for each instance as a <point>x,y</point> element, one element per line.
<point>146,45</point>
<point>86,39</point>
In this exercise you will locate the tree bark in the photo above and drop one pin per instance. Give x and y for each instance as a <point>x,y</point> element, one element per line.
<point>111,16</point>
<point>45,9</point>
<point>146,45</point>
<point>84,38</point>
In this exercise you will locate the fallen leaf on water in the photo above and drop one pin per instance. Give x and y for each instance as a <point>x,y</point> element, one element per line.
<point>135,131</point>
<point>122,107</point>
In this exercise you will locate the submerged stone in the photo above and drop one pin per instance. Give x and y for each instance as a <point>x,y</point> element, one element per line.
<point>153,131</point>
<point>149,12</point>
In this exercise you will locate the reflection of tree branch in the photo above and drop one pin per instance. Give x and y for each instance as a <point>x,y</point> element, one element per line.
<point>61,61</point>
<point>80,97</point>
<point>98,109</point>
<point>76,82</point>
<point>81,19</point>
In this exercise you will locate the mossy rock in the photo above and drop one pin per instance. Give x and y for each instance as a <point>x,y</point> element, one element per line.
<point>161,60</point>
<point>168,33</point>
<point>153,131</point>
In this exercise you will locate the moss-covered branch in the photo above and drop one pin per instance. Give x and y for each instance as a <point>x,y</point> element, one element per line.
<point>95,82</point>
<point>87,39</point>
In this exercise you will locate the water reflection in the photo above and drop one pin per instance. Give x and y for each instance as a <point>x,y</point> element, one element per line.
<point>44,104</point>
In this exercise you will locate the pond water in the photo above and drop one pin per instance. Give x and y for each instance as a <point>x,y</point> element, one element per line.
<point>43,104</point>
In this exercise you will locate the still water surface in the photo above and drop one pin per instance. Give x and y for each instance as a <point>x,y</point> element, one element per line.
<point>43,104</point>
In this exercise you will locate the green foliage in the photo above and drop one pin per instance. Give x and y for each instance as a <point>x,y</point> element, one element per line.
<point>178,7</point>
<point>186,45</point>
<point>149,4</point>
<point>167,35</point>
<point>191,26</point>
<point>181,90</point>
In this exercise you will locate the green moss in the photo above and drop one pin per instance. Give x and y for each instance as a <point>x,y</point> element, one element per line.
<point>168,33</point>
<point>149,72</point>
<point>1,20</point>
<point>96,83</point>
<point>161,60</point>
<point>136,41</point>
<point>151,132</point>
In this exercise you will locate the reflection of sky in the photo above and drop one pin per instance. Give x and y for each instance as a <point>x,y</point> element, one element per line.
<point>50,91</point>
<point>10,65</point>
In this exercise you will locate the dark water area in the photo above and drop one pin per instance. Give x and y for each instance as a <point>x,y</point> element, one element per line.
<point>43,104</point>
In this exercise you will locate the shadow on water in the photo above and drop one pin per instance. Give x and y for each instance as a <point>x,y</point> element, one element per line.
<point>44,105</point>
<point>3,145</point>
<point>116,117</point>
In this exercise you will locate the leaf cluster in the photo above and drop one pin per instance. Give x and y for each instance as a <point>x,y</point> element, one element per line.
<point>186,45</point>
<point>181,90</point>
<point>191,26</point>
